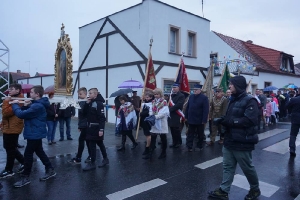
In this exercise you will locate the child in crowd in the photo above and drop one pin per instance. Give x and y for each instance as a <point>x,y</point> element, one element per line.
<point>34,112</point>
<point>82,128</point>
<point>94,111</point>
<point>268,111</point>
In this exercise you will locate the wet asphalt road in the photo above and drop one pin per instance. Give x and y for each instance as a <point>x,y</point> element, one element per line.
<point>128,169</point>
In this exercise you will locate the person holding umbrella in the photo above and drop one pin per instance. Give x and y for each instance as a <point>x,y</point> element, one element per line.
<point>126,122</point>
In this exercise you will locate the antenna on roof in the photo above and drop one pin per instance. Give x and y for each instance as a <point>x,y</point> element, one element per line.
<point>202,9</point>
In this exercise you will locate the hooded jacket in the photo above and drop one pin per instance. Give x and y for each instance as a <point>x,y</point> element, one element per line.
<point>11,124</point>
<point>241,118</point>
<point>94,112</point>
<point>34,116</point>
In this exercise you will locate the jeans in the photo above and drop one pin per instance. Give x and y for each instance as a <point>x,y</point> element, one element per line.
<point>244,159</point>
<point>81,141</point>
<point>293,136</point>
<point>10,143</point>
<point>34,146</point>
<point>61,127</point>
<point>197,130</point>
<point>92,146</point>
<point>51,130</point>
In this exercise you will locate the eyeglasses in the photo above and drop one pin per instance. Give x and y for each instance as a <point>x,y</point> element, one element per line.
<point>217,91</point>
<point>156,94</point>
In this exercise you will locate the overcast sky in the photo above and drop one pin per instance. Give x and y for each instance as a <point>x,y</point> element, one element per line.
<point>31,28</point>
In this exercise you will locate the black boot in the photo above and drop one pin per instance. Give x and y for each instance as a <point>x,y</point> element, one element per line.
<point>122,147</point>
<point>148,155</point>
<point>146,151</point>
<point>162,155</point>
<point>134,145</point>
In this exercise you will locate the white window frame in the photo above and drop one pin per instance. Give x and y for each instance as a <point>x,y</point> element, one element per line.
<point>177,39</point>
<point>194,43</point>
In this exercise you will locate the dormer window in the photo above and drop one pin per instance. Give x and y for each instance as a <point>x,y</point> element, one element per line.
<point>287,64</point>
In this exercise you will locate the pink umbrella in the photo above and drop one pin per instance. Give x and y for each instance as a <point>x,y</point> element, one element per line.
<point>49,89</point>
<point>131,84</point>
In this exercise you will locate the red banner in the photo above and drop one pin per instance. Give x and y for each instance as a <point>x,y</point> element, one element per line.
<point>182,78</point>
<point>150,82</point>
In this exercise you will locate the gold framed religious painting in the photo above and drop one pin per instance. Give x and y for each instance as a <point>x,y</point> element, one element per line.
<point>63,68</point>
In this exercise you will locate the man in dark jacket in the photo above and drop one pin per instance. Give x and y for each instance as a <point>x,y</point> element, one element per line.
<point>176,101</point>
<point>34,115</point>
<point>94,111</point>
<point>240,137</point>
<point>82,127</point>
<point>294,106</point>
<point>65,116</point>
<point>196,114</point>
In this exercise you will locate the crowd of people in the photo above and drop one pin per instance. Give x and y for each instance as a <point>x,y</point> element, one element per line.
<point>235,115</point>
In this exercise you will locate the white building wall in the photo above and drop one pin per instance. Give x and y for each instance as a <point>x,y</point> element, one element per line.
<point>35,81</point>
<point>47,81</point>
<point>161,17</point>
<point>97,56</point>
<point>87,35</point>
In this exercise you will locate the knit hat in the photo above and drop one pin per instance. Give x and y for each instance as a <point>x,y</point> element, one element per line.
<point>239,83</point>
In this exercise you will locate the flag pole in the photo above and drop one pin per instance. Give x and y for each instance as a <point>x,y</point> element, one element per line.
<point>181,57</point>
<point>143,91</point>
<point>222,75</point>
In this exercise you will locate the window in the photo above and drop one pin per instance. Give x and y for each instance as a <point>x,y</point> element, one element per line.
<point>174,39</point>
<point>267,84</point>
<point>191,48</point>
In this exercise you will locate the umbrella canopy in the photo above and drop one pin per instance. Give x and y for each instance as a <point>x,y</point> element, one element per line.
<point>120,92</point>
<point>270,88</point>
<point>25,88</point>
<point>49,89</point>
<point>131,84</point>
<point>292,86</point>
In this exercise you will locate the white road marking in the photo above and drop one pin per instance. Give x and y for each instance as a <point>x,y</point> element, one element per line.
<point>298,197</point>
<point>270,133</point>
<point>281,147</point>
<point>266,189</point>
<point>129,192</point>
<point>210,163</point>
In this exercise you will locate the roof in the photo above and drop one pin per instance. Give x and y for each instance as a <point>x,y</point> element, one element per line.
<point>266,59</point>
<point>16,75</point>
<point>40,74</point>
<point>142,3</point>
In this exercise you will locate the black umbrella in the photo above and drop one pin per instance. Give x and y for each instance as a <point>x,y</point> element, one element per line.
<point>121,92</point>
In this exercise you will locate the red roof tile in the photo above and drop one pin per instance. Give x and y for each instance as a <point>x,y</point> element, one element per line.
<point>16,75</point>
<point>265,59</point>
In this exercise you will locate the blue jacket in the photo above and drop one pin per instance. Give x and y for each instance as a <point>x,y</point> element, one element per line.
<point>35,117</point>
<point>197,109</point>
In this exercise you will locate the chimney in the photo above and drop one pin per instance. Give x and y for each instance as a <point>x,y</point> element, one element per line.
<point>249,41</point>
<point>18,71</point>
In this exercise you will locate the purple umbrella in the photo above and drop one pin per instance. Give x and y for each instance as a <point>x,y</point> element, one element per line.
<point>131,84</point>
